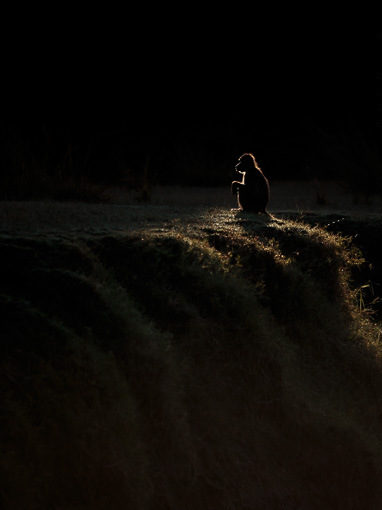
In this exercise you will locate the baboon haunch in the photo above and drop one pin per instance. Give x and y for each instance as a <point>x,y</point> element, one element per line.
<point>253,190</point>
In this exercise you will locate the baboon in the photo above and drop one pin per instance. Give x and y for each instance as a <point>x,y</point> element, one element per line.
<point>253,190</point>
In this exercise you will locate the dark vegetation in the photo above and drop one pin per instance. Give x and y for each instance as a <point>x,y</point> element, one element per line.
<point>365,234</point>
<point>190,366</point>
<point>76,158</point>
<point>199,359</point>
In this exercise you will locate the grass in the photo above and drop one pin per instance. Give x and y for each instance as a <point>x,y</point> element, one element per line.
<point>158,357</point>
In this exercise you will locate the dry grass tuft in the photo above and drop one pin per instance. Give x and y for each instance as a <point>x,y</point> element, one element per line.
<point>185,358</point>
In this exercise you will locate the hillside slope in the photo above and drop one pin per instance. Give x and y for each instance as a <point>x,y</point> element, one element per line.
<point>190,359</point>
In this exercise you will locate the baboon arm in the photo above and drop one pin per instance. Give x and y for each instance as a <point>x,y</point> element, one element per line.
<point>235,186</point>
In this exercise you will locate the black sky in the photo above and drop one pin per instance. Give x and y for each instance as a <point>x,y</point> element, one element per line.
<point>234,86</point>
<point>187,75</point>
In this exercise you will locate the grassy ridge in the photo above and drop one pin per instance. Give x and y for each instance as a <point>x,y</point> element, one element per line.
<point>218,366</point>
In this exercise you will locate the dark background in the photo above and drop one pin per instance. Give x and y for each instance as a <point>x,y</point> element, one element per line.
<point>180,109</point>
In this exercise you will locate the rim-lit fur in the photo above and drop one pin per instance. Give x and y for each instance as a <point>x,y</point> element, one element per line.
<point>253,190</point>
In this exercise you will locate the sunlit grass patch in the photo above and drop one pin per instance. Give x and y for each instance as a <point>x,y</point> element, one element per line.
<point>198,359</point>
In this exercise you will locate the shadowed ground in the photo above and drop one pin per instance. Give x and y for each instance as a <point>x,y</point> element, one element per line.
<point>166,357</point>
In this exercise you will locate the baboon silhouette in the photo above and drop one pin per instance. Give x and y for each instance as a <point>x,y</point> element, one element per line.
<point>253,190</point>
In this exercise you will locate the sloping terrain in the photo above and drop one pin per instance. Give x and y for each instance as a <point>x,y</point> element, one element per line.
<point>169,358</point>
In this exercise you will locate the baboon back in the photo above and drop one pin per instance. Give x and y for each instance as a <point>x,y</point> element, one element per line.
<point>254,195</point>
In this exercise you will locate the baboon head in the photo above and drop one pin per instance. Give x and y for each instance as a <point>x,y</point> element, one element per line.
<point>246,163</point>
